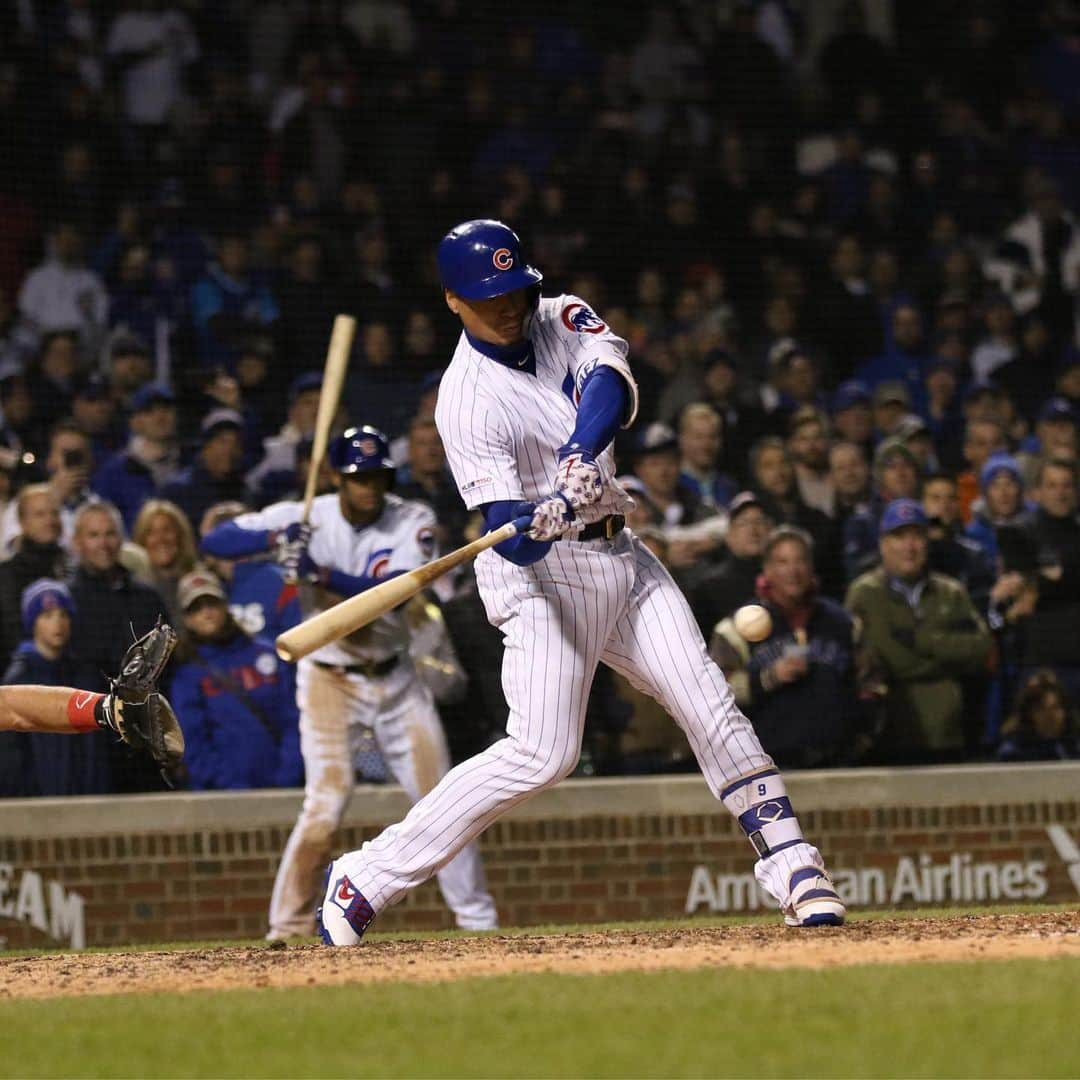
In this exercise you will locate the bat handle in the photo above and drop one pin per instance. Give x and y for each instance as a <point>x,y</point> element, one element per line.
<point>523,523</point>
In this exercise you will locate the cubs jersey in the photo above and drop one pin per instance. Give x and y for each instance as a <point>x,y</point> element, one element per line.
<point>401,539</point>
<point>502,422</point>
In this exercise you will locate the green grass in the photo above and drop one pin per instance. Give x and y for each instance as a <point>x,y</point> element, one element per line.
<point>1012,1018</point>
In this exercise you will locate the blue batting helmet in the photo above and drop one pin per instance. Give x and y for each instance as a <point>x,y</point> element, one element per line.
<point>360,449</point>
<point>481,259</point>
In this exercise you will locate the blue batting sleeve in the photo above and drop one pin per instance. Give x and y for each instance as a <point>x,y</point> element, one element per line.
<point>229,541</point>
<point>522,550</point>
<point>604,405</point>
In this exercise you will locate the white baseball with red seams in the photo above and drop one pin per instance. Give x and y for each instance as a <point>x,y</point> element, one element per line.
<point>584,603</point>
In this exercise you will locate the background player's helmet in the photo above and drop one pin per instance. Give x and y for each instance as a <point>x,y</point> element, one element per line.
<point>481,259</point>
<point>361,449</point>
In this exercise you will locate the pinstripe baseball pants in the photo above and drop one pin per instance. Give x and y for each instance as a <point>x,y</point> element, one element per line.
<point>609,601</point>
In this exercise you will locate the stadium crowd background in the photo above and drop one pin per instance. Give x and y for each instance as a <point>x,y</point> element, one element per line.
<point>841,241</point>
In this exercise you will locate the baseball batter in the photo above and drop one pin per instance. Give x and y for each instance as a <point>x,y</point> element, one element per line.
<point>527,410</point>
<point>358,536</point>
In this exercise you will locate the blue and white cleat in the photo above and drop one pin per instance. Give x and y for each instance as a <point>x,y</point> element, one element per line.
<point>812,899</point>
<point>344,914</point>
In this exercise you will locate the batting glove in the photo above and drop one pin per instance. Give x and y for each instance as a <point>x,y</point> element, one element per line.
<point>551,518</point>
<point>578,480</point>
<point>291,543</point>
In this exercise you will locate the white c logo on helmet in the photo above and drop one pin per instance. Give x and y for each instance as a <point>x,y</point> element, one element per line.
<point>503,259</point>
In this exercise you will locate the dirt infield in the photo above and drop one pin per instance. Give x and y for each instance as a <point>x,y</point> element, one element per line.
<point>969,937</point>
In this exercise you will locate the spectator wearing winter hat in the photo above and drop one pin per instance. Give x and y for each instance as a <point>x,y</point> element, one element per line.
<point>924,634</point>
<point>42,764</point>
<point>215,475</point>
<point>895,476</point>
<point>235,700</point>
<point>149,461</point>
<point>1001,503</point>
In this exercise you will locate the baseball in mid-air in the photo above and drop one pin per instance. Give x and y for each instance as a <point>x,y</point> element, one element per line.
<point>753,622</point>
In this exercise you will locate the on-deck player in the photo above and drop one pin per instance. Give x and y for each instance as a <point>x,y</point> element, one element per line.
<point>359,536</point>
<point>527,410</point>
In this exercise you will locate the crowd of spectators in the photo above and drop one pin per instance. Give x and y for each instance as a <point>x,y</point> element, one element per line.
<point>841,239</point>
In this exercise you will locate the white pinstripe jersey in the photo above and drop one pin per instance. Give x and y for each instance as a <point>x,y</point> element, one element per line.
<point>402,538</point>
<point>502,427</point>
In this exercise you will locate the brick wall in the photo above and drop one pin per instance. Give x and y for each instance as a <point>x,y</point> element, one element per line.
<point>189,866</point>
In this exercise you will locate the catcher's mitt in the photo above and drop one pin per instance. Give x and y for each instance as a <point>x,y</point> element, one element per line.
<point>135,710</point>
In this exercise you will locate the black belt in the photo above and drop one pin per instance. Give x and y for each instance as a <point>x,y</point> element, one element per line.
<point>370,668</point>
<point>605,529</point>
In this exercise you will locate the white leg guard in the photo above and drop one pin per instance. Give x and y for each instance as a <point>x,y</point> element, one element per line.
<point>788,868</point>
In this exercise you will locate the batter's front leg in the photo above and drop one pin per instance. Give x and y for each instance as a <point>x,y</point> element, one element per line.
<point>658,647</point>
<point>324,703</point>
<point>552,651</point>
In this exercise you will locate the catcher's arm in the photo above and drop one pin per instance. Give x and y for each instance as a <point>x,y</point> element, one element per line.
<point>58,710</point>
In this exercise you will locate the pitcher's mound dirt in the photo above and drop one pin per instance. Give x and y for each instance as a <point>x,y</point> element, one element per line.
<point>968,937</point>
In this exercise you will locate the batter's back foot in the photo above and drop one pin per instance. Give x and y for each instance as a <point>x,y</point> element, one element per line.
<point>344,913</point>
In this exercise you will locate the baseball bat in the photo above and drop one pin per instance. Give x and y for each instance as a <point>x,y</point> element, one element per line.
<point>337,362</point>
<point>357,611</point>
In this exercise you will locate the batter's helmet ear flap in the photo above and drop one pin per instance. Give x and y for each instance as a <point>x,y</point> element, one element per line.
<point>481,259</point>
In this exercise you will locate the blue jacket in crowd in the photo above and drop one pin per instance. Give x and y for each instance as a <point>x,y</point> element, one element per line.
<point>44,763</point>
<point>261,601</point>
<point>236,702</point>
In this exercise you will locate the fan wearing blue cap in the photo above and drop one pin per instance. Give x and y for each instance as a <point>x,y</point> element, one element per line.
<point>1056,434</point>
<point>926,634</point>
